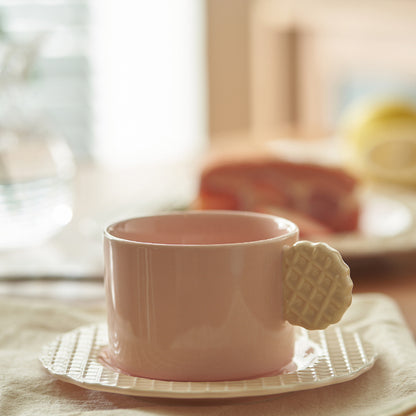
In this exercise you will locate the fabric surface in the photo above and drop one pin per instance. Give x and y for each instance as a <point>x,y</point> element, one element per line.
<point>26,388</point>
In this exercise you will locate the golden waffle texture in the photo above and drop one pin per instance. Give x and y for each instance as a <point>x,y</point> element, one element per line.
<point>317,287</point>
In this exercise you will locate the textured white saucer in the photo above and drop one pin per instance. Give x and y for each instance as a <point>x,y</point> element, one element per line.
<point>322,357</point>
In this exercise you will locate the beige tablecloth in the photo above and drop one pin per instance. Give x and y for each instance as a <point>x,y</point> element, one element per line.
<point>389,388</point>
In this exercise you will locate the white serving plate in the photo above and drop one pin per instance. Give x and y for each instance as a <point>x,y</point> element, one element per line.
<point>387,224</point>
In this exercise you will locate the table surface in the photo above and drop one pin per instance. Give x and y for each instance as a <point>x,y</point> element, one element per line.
<point>393,275</point>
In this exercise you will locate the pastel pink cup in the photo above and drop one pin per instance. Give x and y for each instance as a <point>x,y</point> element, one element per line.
<point>197,296</point>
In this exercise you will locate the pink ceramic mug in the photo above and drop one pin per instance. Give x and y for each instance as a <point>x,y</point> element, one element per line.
<point>198,296</point>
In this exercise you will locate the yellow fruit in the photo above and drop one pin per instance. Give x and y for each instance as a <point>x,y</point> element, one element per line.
<point>381,141</point>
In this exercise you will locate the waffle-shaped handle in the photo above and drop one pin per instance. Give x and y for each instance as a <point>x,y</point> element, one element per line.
<point>317,287</point>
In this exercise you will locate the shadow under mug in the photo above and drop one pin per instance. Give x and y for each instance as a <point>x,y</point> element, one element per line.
<point>198,296</point>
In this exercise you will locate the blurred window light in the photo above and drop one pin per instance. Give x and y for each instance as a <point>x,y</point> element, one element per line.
<point>122,80</point>
<point>57,88</point>
<point>148,80</point>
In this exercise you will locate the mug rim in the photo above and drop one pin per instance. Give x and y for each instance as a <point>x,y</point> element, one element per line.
<point>292,229</point>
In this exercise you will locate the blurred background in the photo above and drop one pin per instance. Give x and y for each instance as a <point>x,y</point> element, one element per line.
<point>107,109</point>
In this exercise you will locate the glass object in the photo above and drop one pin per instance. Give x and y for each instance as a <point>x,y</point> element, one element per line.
<point>35,187</point>
<point>36,165</point>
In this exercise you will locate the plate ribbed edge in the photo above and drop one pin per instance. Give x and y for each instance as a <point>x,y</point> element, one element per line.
<point>73,357</point>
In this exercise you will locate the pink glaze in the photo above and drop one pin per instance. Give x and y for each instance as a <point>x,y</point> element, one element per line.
<point>197,296</point>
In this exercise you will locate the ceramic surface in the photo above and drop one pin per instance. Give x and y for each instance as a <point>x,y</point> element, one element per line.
<point>198,296</point>
<point>322,358</point>
<point>394,208</point>
<point>206,295</point>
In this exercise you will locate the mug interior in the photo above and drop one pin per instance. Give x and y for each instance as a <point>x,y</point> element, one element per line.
<point>201,228</point>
